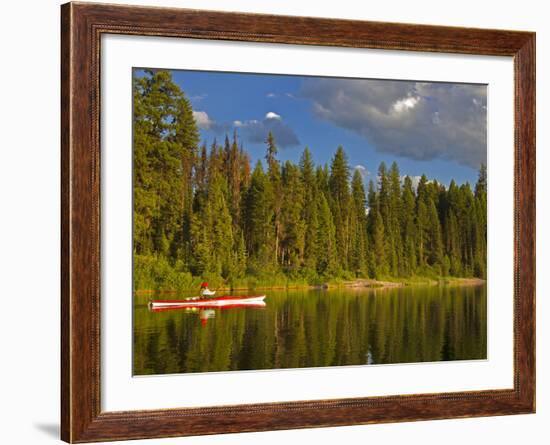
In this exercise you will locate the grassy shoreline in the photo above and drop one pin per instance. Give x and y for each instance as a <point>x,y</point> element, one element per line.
<point>359,283</point>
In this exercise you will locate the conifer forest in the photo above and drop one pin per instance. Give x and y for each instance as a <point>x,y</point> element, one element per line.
<point>202,210</point>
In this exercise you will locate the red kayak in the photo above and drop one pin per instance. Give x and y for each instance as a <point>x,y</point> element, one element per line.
<point>224,301</point>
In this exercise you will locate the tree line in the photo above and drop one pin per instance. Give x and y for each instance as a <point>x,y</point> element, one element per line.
<point>206,213</point>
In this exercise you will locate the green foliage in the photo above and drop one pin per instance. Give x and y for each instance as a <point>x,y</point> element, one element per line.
<point>358,225</point>
<point>326,240</point>
<point>293,226</point>
<point>203,214</point>
<point>339,200</point>
<point>157,274</point>
<point>165,143</point>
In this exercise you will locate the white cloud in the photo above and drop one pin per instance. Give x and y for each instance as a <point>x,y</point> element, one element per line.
<point>199,97</point>
<point>277,95</point>
<point>203,120</point>
<point>272,115</point>
<point>362,170</point>
<point>405,103</point>
<point>237,123</point>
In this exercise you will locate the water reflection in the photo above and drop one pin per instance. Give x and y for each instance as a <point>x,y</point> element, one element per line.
<point>309,328</point>
<point>206,312</point>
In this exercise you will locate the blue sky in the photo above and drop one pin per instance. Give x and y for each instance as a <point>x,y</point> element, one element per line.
<point>433,128</point>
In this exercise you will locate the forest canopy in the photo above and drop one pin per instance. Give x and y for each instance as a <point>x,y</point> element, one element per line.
<point>204,212</point>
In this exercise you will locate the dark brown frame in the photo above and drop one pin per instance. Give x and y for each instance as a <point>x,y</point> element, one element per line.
<point>81,28</point>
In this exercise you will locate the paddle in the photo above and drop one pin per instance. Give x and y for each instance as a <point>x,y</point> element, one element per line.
<point>223,282</point>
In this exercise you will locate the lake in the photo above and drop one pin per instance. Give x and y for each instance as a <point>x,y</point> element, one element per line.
<point>315,327</point>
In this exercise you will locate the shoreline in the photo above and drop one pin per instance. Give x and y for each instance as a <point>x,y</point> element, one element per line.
<point>421,281</point>
<point>359,283</point>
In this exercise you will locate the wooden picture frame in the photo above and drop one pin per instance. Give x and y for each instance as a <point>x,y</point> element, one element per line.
<point>82,26</point>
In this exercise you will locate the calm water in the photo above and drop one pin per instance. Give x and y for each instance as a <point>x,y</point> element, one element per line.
<point>309,328</point>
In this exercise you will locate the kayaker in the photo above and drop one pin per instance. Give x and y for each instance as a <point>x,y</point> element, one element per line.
<point>205,292</point>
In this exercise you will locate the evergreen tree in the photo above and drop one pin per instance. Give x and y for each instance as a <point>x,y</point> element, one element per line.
<point>434,242</point>
<point>395,222</point>
<point>481,185</point>
<point>340,203</point>
<point>165,144</point>
<point>218,221</point>
<point>271,155</point>
<point>309,210</point>
<point>212,244</point>
<point>238,265</point>
<point>322,176</point>
<point>481,223</point>
<point>258,219</point>
<point>326,240</point>
<point>233,173</point>
<point>384,209</point>
<point>293,227</point>
<point>274,174</point>
<point>359,247</point>
<point>423,232</point>
<point>452,243</point>
<point>466,221</point>
<point>379,246</point>
<point>201,170</point>
<point>372,201</point>
<point>409,238</point>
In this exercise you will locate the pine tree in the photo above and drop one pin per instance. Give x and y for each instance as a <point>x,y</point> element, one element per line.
<point>244,160</point>
<point>379,246</point>
<point>309,210</point>
<point>480,267</point>
<point>340,203</point>
<point>326,240</point>
<point>384,209</point>
<point>215,159</point>
<point>322,176</point>
<point>466,217</point>
<point>481,185</point>
<point>293,227</point>
<point>423,227</point>
<point>395,221</point>
<point>212,233</point>
<point>408,228</point>
<point>359,246</point>
<point>165,144</point>
<point>422,189</point>
<point>218,220</point>
<point>271,155</point>
<point>258,219</point>
<point>372,201</point>
<point>201,247</point>
<point>274,174</point>
<point>452,243</point>
<point>201,170</point>
<point>239,256</point>
<point>233,173</point>
<point>435,245</point>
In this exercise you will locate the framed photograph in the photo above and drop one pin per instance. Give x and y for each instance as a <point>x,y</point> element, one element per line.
<point>275,222</point>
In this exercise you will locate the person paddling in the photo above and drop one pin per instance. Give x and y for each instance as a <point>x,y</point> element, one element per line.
<point>205,292</point>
